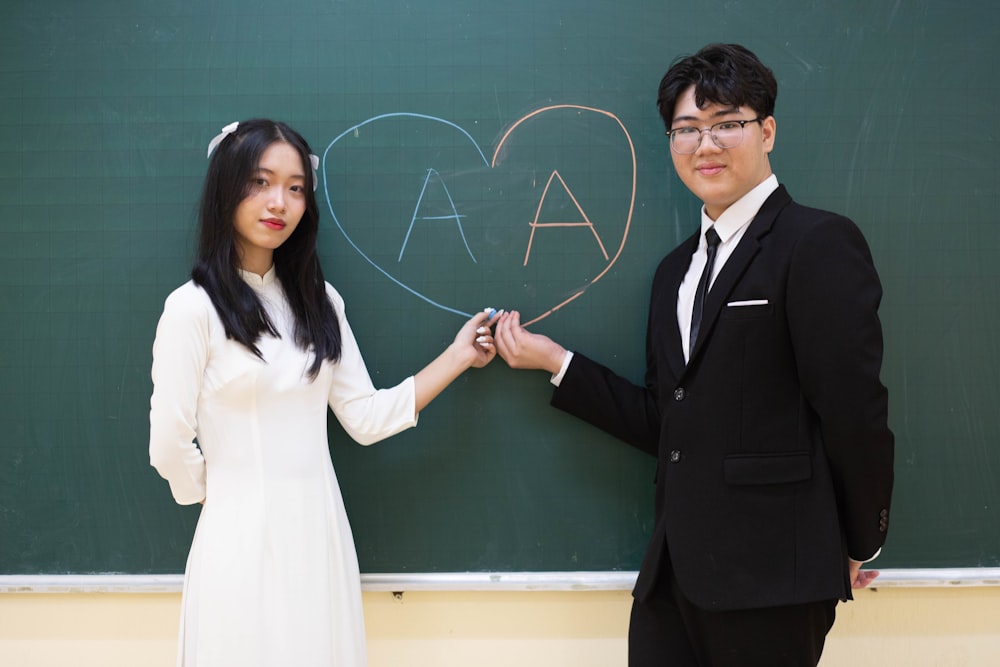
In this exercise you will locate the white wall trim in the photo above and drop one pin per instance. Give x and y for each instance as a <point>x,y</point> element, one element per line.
<point>462,581</point>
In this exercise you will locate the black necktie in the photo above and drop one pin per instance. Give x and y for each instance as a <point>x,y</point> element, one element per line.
<point>699,295</point>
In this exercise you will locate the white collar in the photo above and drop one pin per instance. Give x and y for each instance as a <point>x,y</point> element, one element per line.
<point>741,212</point>
<point>256,281</point>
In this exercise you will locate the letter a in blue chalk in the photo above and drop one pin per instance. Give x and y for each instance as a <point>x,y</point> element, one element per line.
<point>454,215</point>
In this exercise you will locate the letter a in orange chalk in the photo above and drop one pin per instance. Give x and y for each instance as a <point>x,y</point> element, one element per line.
<point>585,222</point>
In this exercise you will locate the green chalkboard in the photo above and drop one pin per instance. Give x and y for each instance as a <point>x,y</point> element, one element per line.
<point>474,154</point>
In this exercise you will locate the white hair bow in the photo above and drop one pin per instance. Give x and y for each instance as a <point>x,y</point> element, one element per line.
<point>226,131</point>
<point>314,161</point>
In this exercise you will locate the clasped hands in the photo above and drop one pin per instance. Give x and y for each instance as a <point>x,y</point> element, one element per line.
<point>501,332</point>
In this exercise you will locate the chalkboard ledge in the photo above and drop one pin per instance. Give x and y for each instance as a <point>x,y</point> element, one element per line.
<point>462,581</point>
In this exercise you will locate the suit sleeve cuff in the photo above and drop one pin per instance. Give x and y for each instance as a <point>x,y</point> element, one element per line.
<point>870,558</point>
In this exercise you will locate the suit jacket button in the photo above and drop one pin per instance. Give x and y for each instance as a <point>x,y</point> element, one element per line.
<point>679,394</point>
<point>675,456</point>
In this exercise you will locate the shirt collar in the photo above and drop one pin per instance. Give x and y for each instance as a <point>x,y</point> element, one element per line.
<point>741,212</point>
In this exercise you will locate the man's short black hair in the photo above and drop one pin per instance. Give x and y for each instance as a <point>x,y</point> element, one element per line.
<point>726,74</point>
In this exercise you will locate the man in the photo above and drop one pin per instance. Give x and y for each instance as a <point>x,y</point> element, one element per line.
<point>762,401</point>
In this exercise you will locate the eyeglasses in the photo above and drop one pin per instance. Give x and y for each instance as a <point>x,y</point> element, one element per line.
<point>725,134</point>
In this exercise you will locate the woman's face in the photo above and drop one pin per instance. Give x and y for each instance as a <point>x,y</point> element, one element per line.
<point>271,212</point>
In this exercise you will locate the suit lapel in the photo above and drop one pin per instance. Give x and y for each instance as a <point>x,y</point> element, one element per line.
<point>674,273</point>
<point>737,265</point>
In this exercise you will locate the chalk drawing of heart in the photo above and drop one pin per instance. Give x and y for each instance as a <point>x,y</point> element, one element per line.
<point>530,228</point>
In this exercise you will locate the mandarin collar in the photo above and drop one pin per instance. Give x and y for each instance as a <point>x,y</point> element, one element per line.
<point>258,282</point>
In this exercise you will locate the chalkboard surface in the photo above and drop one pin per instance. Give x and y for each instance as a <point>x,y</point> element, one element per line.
<point>474,154</point>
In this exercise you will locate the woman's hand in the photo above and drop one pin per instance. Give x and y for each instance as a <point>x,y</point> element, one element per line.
<point>473,345</point>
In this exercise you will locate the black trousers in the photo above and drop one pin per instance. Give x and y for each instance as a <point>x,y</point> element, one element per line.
<point>669,631</point>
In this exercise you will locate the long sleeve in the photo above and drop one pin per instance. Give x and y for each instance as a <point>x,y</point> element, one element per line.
<point>834,294</point>
<point>366,413</point>
<point>602,398</point>
<point>180,353</point>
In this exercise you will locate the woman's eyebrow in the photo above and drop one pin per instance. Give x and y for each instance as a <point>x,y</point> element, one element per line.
<point>265,170</point>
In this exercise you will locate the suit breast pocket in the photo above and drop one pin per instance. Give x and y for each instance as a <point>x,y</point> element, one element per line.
<point>749,309</point>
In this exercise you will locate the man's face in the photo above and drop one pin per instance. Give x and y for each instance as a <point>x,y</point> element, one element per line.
<point>720,176</point>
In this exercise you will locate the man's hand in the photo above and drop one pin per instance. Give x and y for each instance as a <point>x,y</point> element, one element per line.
<point>860,578</point>
<point>522,349</point>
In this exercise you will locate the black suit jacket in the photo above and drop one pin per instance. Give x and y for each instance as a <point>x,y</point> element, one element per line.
<point>774,457</point>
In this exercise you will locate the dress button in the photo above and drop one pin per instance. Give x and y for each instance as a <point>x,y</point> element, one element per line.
<point>679,394</point>
<point>675,456</point>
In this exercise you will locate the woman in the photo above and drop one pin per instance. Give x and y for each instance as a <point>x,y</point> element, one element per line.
<point>248,354</point>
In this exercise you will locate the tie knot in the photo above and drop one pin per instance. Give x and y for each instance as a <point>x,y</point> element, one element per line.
<point>712,237</point>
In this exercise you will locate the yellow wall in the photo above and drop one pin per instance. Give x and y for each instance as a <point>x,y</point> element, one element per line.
<point>890,627</point>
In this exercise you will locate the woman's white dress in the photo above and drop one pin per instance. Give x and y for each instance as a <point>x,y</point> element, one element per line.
<point>272,577</point>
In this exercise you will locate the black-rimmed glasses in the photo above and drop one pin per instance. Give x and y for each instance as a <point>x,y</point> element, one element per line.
<point>725,134</point>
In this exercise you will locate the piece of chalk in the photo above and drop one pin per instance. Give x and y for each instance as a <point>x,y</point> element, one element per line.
<point>491,312</point>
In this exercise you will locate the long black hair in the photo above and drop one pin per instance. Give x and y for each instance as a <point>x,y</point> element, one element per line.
<point>228,182</point>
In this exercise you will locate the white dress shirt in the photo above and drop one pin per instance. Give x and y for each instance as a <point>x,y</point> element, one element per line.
<point>730,227</point>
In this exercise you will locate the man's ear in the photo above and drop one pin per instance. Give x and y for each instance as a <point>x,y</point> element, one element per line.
<point>768,129</point>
